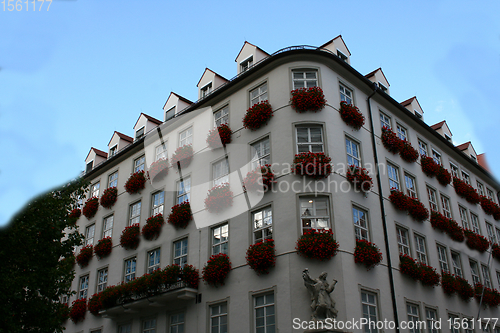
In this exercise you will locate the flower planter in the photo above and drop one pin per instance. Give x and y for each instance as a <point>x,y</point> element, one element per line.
<point>439,221</point>
<point>443,176</point>
<point>449,284</point>
<point>428,275</point>
<point>391,141</point>
<point>409,267</point>
<point>182,156</point>
<point>103,247</point>
<point>152,228</point>
<point>95,304</point>
<point>465,290</point>
<point>75,214</point>
<point>399,200</point>
<point>314,165</point>
<point>220,135</point>
<point>181,215</point>
<point>215,271</point>
<point>408,153</point>
<point>417,210</point>
<point>84,256</point>
<point>317,244</point>
<point>129,238</point>
<point>466,191</point>
<point>367,253</point>
<point>308,99</point>
<point>219,198</point>
<point>429,166</point>
<point>359,178</point>
<point>191,276</point>
<point>136,182</point>
<point>90,207</point>
<point>78,310</point>
<point>351,116</point>
<point>491,297</point>
<point>158,169</point>
<point>258,116</point>
<point>261,256</point>
<point>475,241</point>
<point>489,207</point>
<point>260,179</point>
<point>109,197</point>
<point>495,251</point>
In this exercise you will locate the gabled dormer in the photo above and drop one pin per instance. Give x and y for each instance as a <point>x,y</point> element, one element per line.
<point>338,47</point>
<point>414,107</point>
<point>209,82</point>
<point>174,104</point>
<point>468,150</point>
<point>94,157</point>
<point>144,124</point>
<point>118,142</point>
<point>248,56</point>
<point>378,77</point>
<point>443,129</point>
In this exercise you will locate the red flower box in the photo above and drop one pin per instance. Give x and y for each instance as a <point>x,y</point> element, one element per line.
<point>95,304</point>
<point>443,176</point>
<point>262,178</point>
<point>455,231</point>
<point>351,116</point>
<point>308,99</point>
<point>495,251</point>
<point>215,271</point>
<point>442,223</point>
<point>90,207</point>
<point>399,200</point>
<point>103,247</point>
<point>417,210</point>
<point>367,253</point>
<point>359,178</point>
<point>136,182</point>
<point>465,290</point>
<point>408,266</point>
<point>391,141</point>
<point>84,256</point>
<point>219,198</point>
<point>152,228</point>
<point>181,215</point>
<point>466,191</point>
<point>317,244</point>
<point>408,153</point>
<point>129,238</point>
<point>216,136</point>
<point>258,115</point>
<point>475,241</point>
<point>78,310</point>
<point>491,297</point>
<point>109,197</point>
<point>429,166</point>
<point>439,221</point>
<point>158,169</point>
<point>489,207</point>
<point>191,276</point>
<point>428,275</point>
<point>449,284</point>
<point>75,214</point>
<point>314,165</point>
<point>261,256</point>
<point>182,156</point>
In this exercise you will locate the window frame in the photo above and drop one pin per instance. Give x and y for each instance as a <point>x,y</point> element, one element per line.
<point>432,194</point>
<point>446,206</point>
<point>113,179</point>
<point>223,117</point>
<point>154,254</point>
<point>443,262</point>
<point>422,148</point>
<point>222,228</point>
<point>151,329</point>
<point>304,80</point>
<point>421,252</point>
<point>139,164</point>
<point>95,189</point>
<point>181,185</point>
<point>414,317</point>
<point>170,113</point>
<point>385,120</point>
<point>188,139</point>
<point>410,191</point>
<point>83,286</point>
<point>107,230</point>
<point>132,218</point>
<point>464,217</point>
<point>475,271</point>
<point>101,284</point>
<point>474,221</point>
<point>265,305</point>
<point>485,272</point>
<point>161,153</point>
<point>364,230</point>
<point>258,155</point>
<point>436,156</point>
<point>371,317</point>
<point>457,265</point>
<point>89,240</point>
<point>310,143</point>
<point>222,178</point>
<point>129,275</point>
<point>157,203</point>
<point>401,132</point>
<point>264,230</point>
<point>181,322</point>
<point>402,234</point>
<point>178,259</point>
<point>246,63</point>
<point>393,181</point>
<point>218,315</point>
<point>353,151</point>
<point>454,170</point>
<point>206,90</point>
<point>328,216</point>
<point>343,89</point>
<point>262,94</point>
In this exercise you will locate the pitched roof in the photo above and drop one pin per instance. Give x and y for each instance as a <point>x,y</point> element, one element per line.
<point>252,45</point>
<point>97,152</point>
<point>151,119</point>
<point>208,69</point>
<point>463,146</point>
<point>331,40</point>
<point>438,125</point>
<point>121,136</point>
<point>408,101</point>
<point>373,73</point>
<point>182,98</point>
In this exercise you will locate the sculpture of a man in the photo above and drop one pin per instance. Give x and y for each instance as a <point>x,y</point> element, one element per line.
<point>322,304</point>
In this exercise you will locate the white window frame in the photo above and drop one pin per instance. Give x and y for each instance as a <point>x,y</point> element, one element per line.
<point>262,224</point>
<point>107,226</point>
<point>220,172</point>
<point>314,220</point>
<point>465,177</point>
<point>113,179</point>
<point>112,151</point>
<point>456,261</point>
<point>420,249</point>
<point>206,90</point>
<point>485,271</point>
<point>161,151</point>
<point>402,132</point>
<point>218,318</point>
<point>353,152</point>
<point>309,144</point>
<point>139,163</point>
<point>180,252</point>
<point>393,175</point>
<point>102,279</point>
<point>83,287</point>
<point>140,133</point>
<point>221,116</point>
<point>490,195</point>
<point>246,64</point>
<point>490,230</point>
<point>149,325</point>
<point>153,260</point>
<point>454,170</point>
<point>259,94</point>
<point>157,203</point>
<point>432,195</point>
<point>431,319</point>
<point>135,213</point>
<point>220,239</point>
<point>474,271</point>
<point>413,313</point>
<point>445,204</point>
<point>411,186</point>
<point>186,137</point>
<point>170,113</point>
<point>95,190</point>
<point>443,258</point>
<point>129,269</point>
<point>385,120</point>
<point>183,190</point>
<point>369,309</point>
<point>90,234</point>
<point>422,148</point>
<point>480,188</point>
<point>403,238</point>
<point>436,157</point>
<point>261,152</point>
<point>346,94</point>
<point>474,220</point>
<point>268,303</point>
<point>361,226</point>
<point>176,323</point>
<point>300,78</point>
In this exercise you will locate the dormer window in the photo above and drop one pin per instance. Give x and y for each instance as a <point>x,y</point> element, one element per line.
<point>382,87</point>
<point>246,64</point>
<point>341,56</point>
<point>170,114</point>
<point>90,166</point>
<point>206,90</point>
<point>418,114</point>
<point>112,151</point>
<point>139,133</point>
<point>447,137</point>
<point>473,158</point>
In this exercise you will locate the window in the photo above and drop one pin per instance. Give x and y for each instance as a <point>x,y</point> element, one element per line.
<point>352,149</point>
<point>264,313</point>
<point>83,287</point>
<point>369,305</point>
<point>89,166</point>
<point>457,263</point>
<point>258,94</point>
<point>262,224</point>
<point>309,139</point>
<point>403,241</point>
<point>420,249</point>
<point>220,239</point>
<point>139,133</point>
<point>170,113</point>
<point>206,90</point>
<point>89,235</point>
<point>480,188</point>
<point>382,87</point>
<point>454,170</point>
<point>486,276</point>
<point>261,153</point>
<point>153,260</point>
<point>161,152</point>
<point>305,78</point>
<point>490,195</point>
<point>107,226</point>
<point>149,325</point>
<point>393,174</point>
<point>181,252</point>
<point>498,277</point>
<point>177,323</point>
<point>135,213</point>
<point>246,64</point>
<point>139,164</point>
<point>158,203</point>
<point>431,318</point>
<point>183,190</point>
<point>445,203</point>
<point>186,137</point>
<point>125,328</point>
<point>221,172</point>
<point>422,148</point>
<point>112,151</point>
<point>474,270</point>
<point>221,116</point>
<point>402,134</point>
<point>102,279</point>
<point>360,219</point>
<point>314,213</point>
<point>491,233</point>
<point>385,121</point>
<point>443,258</point>
<point>113,179</point>
<point>411,190</point>
<point>341,56</point>
<point>130,266</point>
<point>345,94</point>
<point>463,217</point>
<point>436,156</point>
<point>475,223</point>
<point>465,177</point>
<point>454,319</point>
<point>95,190</point>
<point>432,199</point>
<point>218,318</point>
<point>498,237</point>
<point>413,315</point>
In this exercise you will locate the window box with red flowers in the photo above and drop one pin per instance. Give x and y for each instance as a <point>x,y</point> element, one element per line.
<point>182,156</point>
<point>75,214</point>
<point>181,215</point>
<point>217,268</point>
<point>109,197</point>
<point>95,304</point>
<point>220,135</point>
<point>429,166</point>
<point>447,225</point>
<point>490,208</point>
<point>367,253</point>
<point>475,241</point>
<point>63,312</point>
<point>466,191</point>
<point>464,289</point>
<point>408,153</point>
<point>495,251</point>
<point>391,141</point>
<point>262,178</point>
<point>219,198</point>
<point>399,200</point>
<point>90,207</point>
<point>191,276</point>
<point>491,297</point>
<point>428,275</point>
<point>408,266</point>
<point>152,228</point>
<point>136,182</point>
<point>417,210</point>
<point>84,256</point>
<point>103,247</point>
<point>439,221</point>
<point>317,244</point>
<point>78,310</point>
<point>443,176</point>
<point>261,256</point>
<point>351,116</point>
<point>129,238</point>
<point>308,99</point>
<point>258,115</point>
<point>314,165</point>
<point>158,169</point>
<point>449,283</point>
<point>359,178</point>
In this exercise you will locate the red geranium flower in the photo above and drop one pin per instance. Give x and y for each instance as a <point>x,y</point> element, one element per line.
<point>220,135</point>
<point>399,199</point>
<point>217,268</point>
<point>391,141</point>
<point>367,253</point>
<point>317,244</point>
<point>90,207</point>
<point>219,198</point>
<point>262,178</point>
<point>75,214</point>
<point>182,156</point>
<point>84,256</point>
<point>180,215</point>
<point>258,115</point>
<point>443,176</point>
<point>261,256</point>
<point>475,241</point>
<point>109,197</point>
<point>429,166</point>
<point>314,165</point>
<point>408,153</point>
<point>360,178</point>
<point>103,247</point>
<point>308,99</point>
<point>95,304</point>
<point>158,169</point>
<point>136,182</point>
<point>152,228</point>
<point>78,310</point>
<point>129,238</point>
<point>466,191</point>
<point>351,115</point>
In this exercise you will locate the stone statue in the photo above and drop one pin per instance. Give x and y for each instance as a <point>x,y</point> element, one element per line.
<point>322,304</point>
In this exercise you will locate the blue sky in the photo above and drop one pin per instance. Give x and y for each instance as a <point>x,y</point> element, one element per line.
<point>72,75</point>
